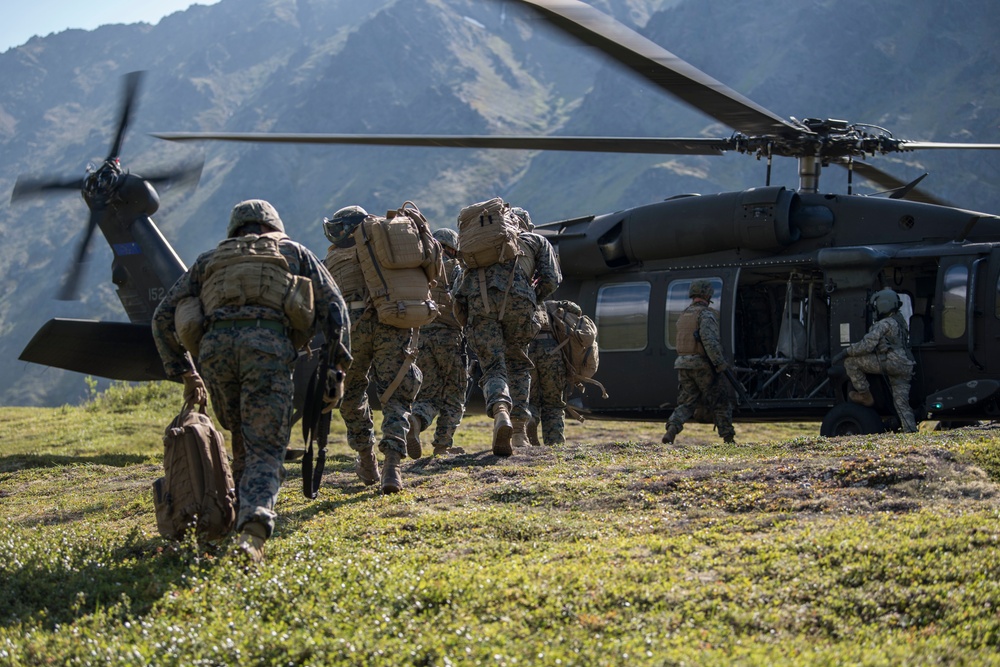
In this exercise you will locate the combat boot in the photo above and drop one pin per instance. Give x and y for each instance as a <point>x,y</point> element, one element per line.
<point>671,433</point>
<point>864,398</point>
<point>532,430</point>
<point>519,434</point>
<point>392,480</point>
<point>367,466</point>
<point>502,430</point>
<point>413,447</point>
<point>251,542</point>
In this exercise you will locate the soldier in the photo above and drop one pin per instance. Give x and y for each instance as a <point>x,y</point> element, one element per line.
<point>548,379</point>
<point>885,349</point>
<point>379,349</point>
<point>246,353</point>
<point>500,302</point>
<point>443,363</point>
<point>700,364</point>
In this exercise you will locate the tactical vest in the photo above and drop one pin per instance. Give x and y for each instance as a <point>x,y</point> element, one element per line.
<point>687,327</point>
<point>251,271</point>
<point>346,270</point>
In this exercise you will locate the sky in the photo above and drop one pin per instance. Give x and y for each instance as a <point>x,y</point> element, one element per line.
<point>23,19</point>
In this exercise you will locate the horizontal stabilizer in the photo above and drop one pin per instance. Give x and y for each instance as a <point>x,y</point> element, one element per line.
<point>114,350</point>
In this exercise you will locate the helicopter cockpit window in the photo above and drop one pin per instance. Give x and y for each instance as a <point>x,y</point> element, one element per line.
<point>623,317</point>
<point>956,280</point>
<point>678,300</point>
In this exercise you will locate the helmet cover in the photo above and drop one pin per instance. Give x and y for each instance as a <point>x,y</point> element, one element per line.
<point>254,210</point>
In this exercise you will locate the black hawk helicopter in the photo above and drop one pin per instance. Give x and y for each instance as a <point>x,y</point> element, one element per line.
<point>143,269</point>
<point>793,269</point>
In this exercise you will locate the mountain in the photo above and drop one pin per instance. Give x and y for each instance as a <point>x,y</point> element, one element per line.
<point>924,70</point>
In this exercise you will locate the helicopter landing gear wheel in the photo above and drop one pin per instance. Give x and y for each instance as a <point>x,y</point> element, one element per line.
<point>851,419</point>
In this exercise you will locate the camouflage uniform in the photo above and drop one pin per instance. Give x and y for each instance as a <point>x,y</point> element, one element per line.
<point>548,383</point>
<point>885,351</point>
<point>700,374</point>
<point>445,371</point>
<point>499,332</point>
<point>378,349</point>
<point>247,359</point>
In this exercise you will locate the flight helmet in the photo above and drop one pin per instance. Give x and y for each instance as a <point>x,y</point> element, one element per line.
<point>885,302</point>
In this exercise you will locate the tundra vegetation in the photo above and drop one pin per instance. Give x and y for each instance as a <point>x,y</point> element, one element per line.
<point>787,548</point>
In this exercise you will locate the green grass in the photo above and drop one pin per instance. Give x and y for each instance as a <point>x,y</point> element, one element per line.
<point>612,550</point>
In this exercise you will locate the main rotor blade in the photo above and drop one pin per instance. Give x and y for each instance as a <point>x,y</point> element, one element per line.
<point>180,176</point>
<point>923,145</point>
<point>890,182</point>
<point>662,68</point>
<point>70,287</point>
<point>28,187</point>
<point>131,90</point>
<point>650,145</point>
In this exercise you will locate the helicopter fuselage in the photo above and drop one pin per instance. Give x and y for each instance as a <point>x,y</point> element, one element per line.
<point>793,273</point>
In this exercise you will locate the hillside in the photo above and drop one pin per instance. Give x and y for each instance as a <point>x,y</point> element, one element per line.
<point>461,66</point>
<point>613,550</point>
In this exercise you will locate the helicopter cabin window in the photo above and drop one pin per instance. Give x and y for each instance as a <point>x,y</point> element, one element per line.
<point>678,300</point>
<point>623,317</point>
<point>956,280</point>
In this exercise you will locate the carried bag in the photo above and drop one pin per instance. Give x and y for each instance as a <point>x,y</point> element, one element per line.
<point>487,234</point>
<point>576,335</point>
<point>197,490</point>
<point>400,261</point>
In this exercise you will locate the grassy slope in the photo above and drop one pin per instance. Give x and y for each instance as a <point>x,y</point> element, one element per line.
<point>611,550</point>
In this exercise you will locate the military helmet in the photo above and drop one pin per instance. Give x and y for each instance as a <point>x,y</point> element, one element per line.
<point>341,224</point>
<point>701,288</point>
<point>885,302</point>
<point>254,210</point>
<point>523,218</point>
<point>447,237</point>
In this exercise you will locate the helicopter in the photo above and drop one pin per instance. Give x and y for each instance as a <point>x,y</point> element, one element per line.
<point>793,269</point>
<point>143,269</point>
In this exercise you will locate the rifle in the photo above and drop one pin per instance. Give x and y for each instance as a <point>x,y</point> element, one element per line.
<point>740,391</point>
<point>316,424</point>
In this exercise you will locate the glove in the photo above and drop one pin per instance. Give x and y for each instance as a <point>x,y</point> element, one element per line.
<point>195,392</point>
<point>839,357</point>
<point>335,391</point>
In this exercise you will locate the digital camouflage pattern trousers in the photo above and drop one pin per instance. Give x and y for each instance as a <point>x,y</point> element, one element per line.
<point>248,373</point>
<point>501,346</point>
<point>898,377</point>
<point>445,382</point>
<point>702,387</point>
<point>379,351</point>
<point>548,388</point>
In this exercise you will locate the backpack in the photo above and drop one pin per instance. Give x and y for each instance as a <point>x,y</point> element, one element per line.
<point>487,234</point>
<point>576,335</point>
<point>197,489</point>
<point>400,260</point>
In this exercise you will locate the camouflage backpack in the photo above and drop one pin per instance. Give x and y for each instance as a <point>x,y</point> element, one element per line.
<point>487,234</point>
<point>576,335</point>
<point>197,490</point>
<point>400,260</point>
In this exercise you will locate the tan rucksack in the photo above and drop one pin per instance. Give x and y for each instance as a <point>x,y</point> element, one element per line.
<point>487,234</point>
<point>400,260</point>
<point>576,335</point>
<point>197,490</point>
